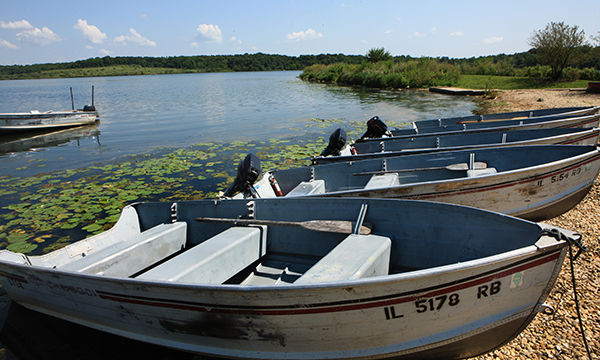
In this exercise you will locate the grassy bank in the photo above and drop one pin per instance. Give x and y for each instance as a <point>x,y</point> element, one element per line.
<point>384,74</point>
<point>423,73</point>
<point>116,70</point>
<point>514,82</point>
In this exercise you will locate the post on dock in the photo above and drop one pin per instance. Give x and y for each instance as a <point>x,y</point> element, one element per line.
<point>72,101</point>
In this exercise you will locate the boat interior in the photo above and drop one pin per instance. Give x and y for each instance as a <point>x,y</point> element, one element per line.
<point>164,242</point>
<point>411,169</point>
<point>455,140</point>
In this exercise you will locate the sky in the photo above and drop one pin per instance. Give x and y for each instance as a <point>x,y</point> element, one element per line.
<point>43,31</point>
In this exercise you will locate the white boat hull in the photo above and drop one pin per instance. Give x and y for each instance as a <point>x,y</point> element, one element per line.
<point>417,315</point>
<point>18,122</point>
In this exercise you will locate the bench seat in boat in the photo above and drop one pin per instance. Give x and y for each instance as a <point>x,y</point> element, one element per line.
<point>383,181</point>
<point>134,254</point>
<point>308,188</point>
<point>215,260</point>
<point>481,172</point>
<point>357,256</point>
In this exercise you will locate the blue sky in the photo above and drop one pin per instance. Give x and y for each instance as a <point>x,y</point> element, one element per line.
<point>39,31</point>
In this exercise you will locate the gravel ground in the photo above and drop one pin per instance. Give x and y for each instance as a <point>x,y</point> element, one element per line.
<point>557,336</point>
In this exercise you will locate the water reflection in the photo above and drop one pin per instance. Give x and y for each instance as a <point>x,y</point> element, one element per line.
<point>30,141</point>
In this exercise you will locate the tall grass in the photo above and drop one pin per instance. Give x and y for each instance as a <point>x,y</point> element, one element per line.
<point>385,74</point>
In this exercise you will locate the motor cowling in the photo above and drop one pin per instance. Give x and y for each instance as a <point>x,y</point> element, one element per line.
<point>89,108</point>
<point>247,172</point>
<point>337,141</point>
<point>376,128</point>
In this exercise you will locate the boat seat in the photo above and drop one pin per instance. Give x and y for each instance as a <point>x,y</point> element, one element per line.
<point>383,181</point>
<point>481,172</point>
<point>357,256</point>
<point>133,254</point>
<point>308,188</point>
<point>215,260</point>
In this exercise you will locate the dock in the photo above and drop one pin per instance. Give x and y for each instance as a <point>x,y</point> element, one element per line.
<point>456,91</point>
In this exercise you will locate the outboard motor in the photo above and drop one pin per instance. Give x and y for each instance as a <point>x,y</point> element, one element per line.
<point>89,108</point>
<point>337,141</point>
<point>376,128</point>
<point>247,173</point>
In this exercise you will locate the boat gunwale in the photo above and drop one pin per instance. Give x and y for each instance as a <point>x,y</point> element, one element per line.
<point>527,252</point>
<point>584,134</point>
<point>568,123</point>
<point>590,156</point>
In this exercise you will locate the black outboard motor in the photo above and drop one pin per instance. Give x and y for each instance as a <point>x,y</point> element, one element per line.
<point>337,141</point>
<point>247,173</point>
<point>89,108</point>
<point>376,128</point>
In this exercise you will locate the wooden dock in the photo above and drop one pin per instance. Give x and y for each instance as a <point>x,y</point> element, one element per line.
<point>456,91</point>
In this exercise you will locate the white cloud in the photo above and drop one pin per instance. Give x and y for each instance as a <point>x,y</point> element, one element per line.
<point>6,44</point>
<point>388,31</point>
<point>417,34</point>
<point>309,34</point>
<point>210,32</point>
<point>457,33</point>
<point>134,37</point>
<point>16,25</point>
<point>493,40</point>
<point>433,30</point>
<point>43,36</point>
<point>90,31</point>
<point>236,40</point>
<point>104,52</point>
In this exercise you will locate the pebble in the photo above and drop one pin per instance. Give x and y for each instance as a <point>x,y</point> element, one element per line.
<point>558,336</point>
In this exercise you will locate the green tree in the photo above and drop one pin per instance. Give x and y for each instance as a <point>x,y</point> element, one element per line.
<point>555,45</point>
<point>378,54</point>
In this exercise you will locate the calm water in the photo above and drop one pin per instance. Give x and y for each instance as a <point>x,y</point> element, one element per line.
<point>142,113</point>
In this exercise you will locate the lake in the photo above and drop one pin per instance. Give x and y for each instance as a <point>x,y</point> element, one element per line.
<point>139,114</point>
<point>161,138</point>
<point>171,137</point>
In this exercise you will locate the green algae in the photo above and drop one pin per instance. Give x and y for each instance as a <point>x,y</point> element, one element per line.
<point>42,213</point>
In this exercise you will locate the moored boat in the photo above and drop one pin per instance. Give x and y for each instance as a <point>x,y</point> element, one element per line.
<point>488,120</point>
<point>35,120</point>
<point>535,182</point>
<point>392,146</point>
<point>582,118</point>
<point>407,287</point>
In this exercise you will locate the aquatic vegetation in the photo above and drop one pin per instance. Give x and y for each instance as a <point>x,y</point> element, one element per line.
<point>42,213</point>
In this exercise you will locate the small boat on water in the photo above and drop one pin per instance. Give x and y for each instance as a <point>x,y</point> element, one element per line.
<point>385,147</point>
<point>539,119</point>
<point>535,182</point>
<point>35,120</point>
<point>301,278</point>
<point>48,120</point>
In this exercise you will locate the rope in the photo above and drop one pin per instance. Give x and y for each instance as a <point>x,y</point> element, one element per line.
<point>555,233</point>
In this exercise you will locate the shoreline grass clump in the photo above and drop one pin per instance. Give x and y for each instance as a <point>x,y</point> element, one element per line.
<point>387,74</point>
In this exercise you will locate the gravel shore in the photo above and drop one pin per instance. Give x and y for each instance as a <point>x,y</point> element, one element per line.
<point>557,336</point>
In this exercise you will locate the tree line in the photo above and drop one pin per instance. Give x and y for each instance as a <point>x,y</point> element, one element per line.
<point>502,64</point>
<point>558,51</point>
<point>200,63</point>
